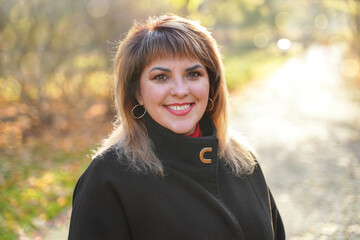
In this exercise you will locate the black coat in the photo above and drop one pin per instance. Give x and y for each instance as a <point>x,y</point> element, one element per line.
<point>194,200</point>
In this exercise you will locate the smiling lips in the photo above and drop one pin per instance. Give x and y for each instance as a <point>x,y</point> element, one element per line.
<point>180,109</point>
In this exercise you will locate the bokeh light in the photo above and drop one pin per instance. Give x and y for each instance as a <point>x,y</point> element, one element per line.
<point>338,42</point>
<point>12,137</point>
<point>261,39</point>
<point>10,89</point>
<point>19,12</point>
<point>350,67</point>
<point>98,9</point>
<point>284,44</point>
<point>8,39</point>
<point>30,64</point>
<point>284,20</point>
<point>321,21</point>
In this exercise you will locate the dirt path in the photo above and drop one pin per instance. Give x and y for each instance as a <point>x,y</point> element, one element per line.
<point>305,126</point>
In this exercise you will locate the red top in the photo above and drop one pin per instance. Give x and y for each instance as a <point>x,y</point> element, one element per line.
<point>197,132</point>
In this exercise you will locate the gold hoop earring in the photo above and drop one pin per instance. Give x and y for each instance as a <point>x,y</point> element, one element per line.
<point>211,105</point>
<point>133,109</point>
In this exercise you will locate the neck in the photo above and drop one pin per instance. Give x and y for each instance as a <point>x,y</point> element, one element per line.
<point>197,132</point>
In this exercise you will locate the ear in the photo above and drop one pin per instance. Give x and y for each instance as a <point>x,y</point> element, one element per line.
<point>138,97</point>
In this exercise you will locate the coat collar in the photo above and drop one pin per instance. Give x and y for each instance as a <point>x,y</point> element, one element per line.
<point>192,155</point>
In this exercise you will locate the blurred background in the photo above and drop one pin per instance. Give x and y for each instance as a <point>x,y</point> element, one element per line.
<point>56,96</point>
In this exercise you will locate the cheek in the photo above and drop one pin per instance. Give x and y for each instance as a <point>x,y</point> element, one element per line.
<point>203,91</point>
<point>145,92</point>
<point>150,94</point>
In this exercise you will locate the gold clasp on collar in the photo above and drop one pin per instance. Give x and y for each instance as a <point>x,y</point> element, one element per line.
<point>202,152</point>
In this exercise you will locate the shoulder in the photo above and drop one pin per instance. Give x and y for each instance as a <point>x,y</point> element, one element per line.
<point>103,168</point>
<point>107,160</point>
<point>103,173</point>
<point>258,182</point>
<point>257,175</point>
<point>98,198</point>
<point>112,158</point>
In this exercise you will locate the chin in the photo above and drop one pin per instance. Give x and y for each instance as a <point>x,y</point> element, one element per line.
<point>183,130</point>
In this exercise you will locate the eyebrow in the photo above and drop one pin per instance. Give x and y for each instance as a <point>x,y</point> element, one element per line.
<point>194,67</point>
<point>161,69</point>
<point>168,70</point>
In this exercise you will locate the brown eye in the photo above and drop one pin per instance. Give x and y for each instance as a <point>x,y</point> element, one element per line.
<point>194,75</point>
<point>160,77</point>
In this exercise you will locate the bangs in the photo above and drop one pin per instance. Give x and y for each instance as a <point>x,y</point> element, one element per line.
<point>165,44</point>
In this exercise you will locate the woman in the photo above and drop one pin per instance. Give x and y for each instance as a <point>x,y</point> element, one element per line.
<point>169,170</point>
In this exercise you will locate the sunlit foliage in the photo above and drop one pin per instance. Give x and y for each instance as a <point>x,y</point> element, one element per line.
<point>56,77</point>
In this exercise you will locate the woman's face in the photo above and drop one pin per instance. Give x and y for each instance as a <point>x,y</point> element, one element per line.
<point>175,93</point>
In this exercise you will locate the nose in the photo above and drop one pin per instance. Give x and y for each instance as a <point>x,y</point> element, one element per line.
<point>179,88</point>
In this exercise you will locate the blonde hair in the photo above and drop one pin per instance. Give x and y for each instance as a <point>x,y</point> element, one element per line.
<point>168,37</point>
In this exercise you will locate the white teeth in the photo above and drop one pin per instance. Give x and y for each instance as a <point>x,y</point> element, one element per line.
<point>178,108</point>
